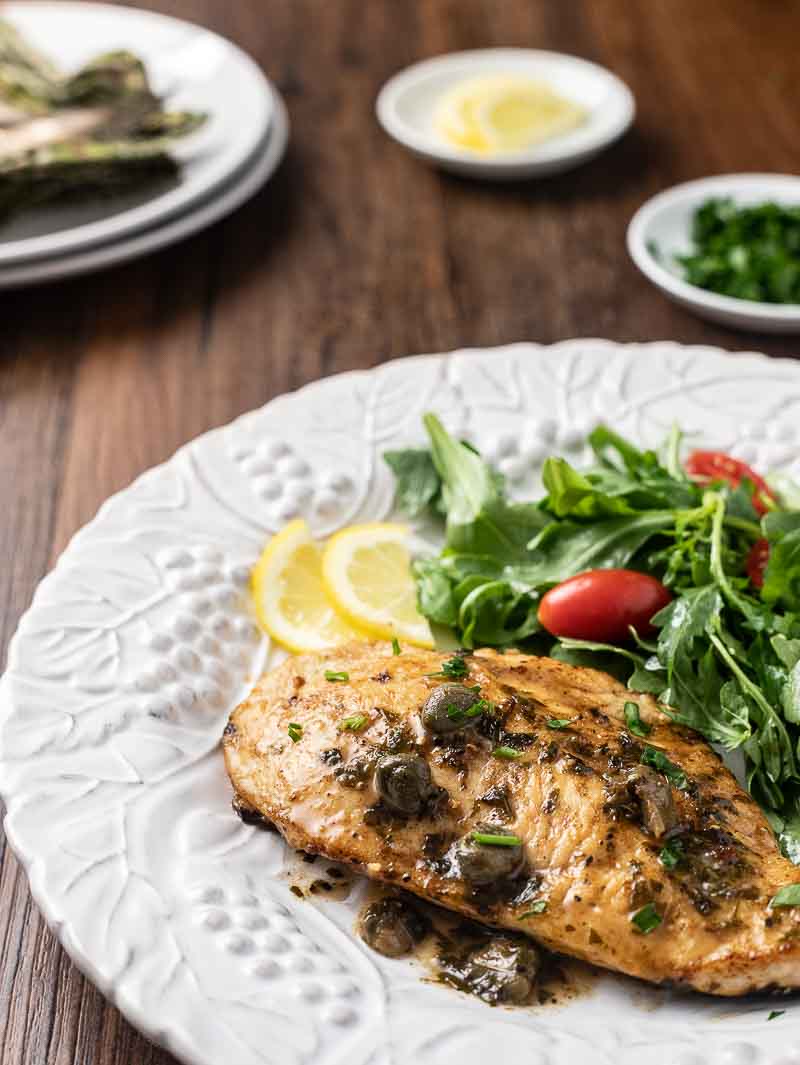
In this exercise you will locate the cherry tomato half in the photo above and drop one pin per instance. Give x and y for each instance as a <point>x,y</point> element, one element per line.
<point>756,563</point>
<point>717,466</point>
<point>602,604</point>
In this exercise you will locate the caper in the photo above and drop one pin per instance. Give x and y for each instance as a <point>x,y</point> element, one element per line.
<point>393,927</point>
<point>503,970</point>
<point>481,864</point>
<point>655,796</point>
<point>403,782</point>
<point>447,709</point>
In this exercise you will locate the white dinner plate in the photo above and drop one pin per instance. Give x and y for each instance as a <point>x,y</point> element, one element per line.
<point>194,69</point>
<point>237,191</point>
<point>407,102</point>
<point>662,229</point>
<point>122,674</point>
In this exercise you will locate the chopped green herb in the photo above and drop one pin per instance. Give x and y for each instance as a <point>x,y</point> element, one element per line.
<point>647,919</point>
<point>775,1013</point>
<point>508,753</point>
<point>455,668</point>
<point>559,722</point>
<point>353,724</point>
<point>536,908</point>
<point>787,896</point>
<point>295,731</point>
<point>459,714</point>
<point>671,853</point>
<point>490,840</point>
<point>332,675</point>
<point>396,646</point>
<point>634,721</point>
<point>748,252</point>
<point>658,760</point>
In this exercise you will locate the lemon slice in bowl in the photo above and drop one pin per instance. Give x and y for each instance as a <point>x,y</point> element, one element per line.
<point>290,600</point>
<point>504,113</point>
<point>367,575</point>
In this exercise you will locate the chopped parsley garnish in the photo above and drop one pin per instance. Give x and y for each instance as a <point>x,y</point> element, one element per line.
<point>775,1013</point>
<point>455,668</point>
<point>459,714</point>
<point>647,919</point>
<point>536,908</point>
<point>749,252</point>
<point>332,675</point>
<point>658,760</point>
<point>508,753</point>
<point>295,731</point>
<point>671,853</point>
<point>396,646</point>
<point>634,722</point>
<point>353,724</point>
<point>559,722</point>
<point>488,839</point>
<point>787,896</point>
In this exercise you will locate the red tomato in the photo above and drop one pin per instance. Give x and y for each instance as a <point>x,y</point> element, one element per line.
<point>602,604</point>
<point>717,466</point>
<point>757,560</point>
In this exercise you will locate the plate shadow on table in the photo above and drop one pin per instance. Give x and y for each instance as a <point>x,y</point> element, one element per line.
<point>617,171</point>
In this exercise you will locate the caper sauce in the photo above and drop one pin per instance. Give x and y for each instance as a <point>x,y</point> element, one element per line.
<point>501,968</point>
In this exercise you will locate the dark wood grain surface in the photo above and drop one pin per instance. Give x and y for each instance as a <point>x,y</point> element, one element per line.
<point>355,253</point>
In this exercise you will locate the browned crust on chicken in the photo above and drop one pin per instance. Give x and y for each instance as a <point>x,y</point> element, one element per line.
<point>593,821</point>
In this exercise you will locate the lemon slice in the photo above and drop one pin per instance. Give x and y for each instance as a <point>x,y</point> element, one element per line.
<point>291,604</point>
<point>502,113</point>
<point>367,574</point>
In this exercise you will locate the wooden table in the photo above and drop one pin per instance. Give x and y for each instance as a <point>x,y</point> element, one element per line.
<point>353,254</point>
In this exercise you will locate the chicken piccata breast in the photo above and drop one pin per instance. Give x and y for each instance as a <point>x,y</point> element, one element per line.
<point>524,793</point>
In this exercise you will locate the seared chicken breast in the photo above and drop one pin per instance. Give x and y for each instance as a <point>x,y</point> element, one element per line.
<point>527,794</point>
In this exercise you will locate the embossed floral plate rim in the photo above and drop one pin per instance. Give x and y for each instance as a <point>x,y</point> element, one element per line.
<point>333,1000</point>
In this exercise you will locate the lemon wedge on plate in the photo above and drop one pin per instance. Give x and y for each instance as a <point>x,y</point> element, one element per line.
<point>367,575</point>
<point>504,113</point>
<point>290,600</point>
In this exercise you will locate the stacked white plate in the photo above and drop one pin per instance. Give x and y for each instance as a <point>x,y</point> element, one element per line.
<point>221,166</point>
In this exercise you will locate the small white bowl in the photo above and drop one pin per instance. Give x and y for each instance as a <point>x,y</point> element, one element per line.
<point>406,105</point>
<point>666,223</point>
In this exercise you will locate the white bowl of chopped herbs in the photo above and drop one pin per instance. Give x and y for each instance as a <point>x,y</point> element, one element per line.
<point>726,247</point>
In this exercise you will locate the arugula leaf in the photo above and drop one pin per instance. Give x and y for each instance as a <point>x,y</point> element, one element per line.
<point>570,494</point>
<point>418,486</point>
<point>788,832</point>
<point>480,520</point>
<point>782,575</point>
<point>693,692</point>
<point>634,721</point>
<point>787,896</point>
<point>562,549</point>
<point>435,592</point>
<point>640,478</point>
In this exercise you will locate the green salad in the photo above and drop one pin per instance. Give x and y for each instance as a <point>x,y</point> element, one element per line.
<point>723,654</point>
